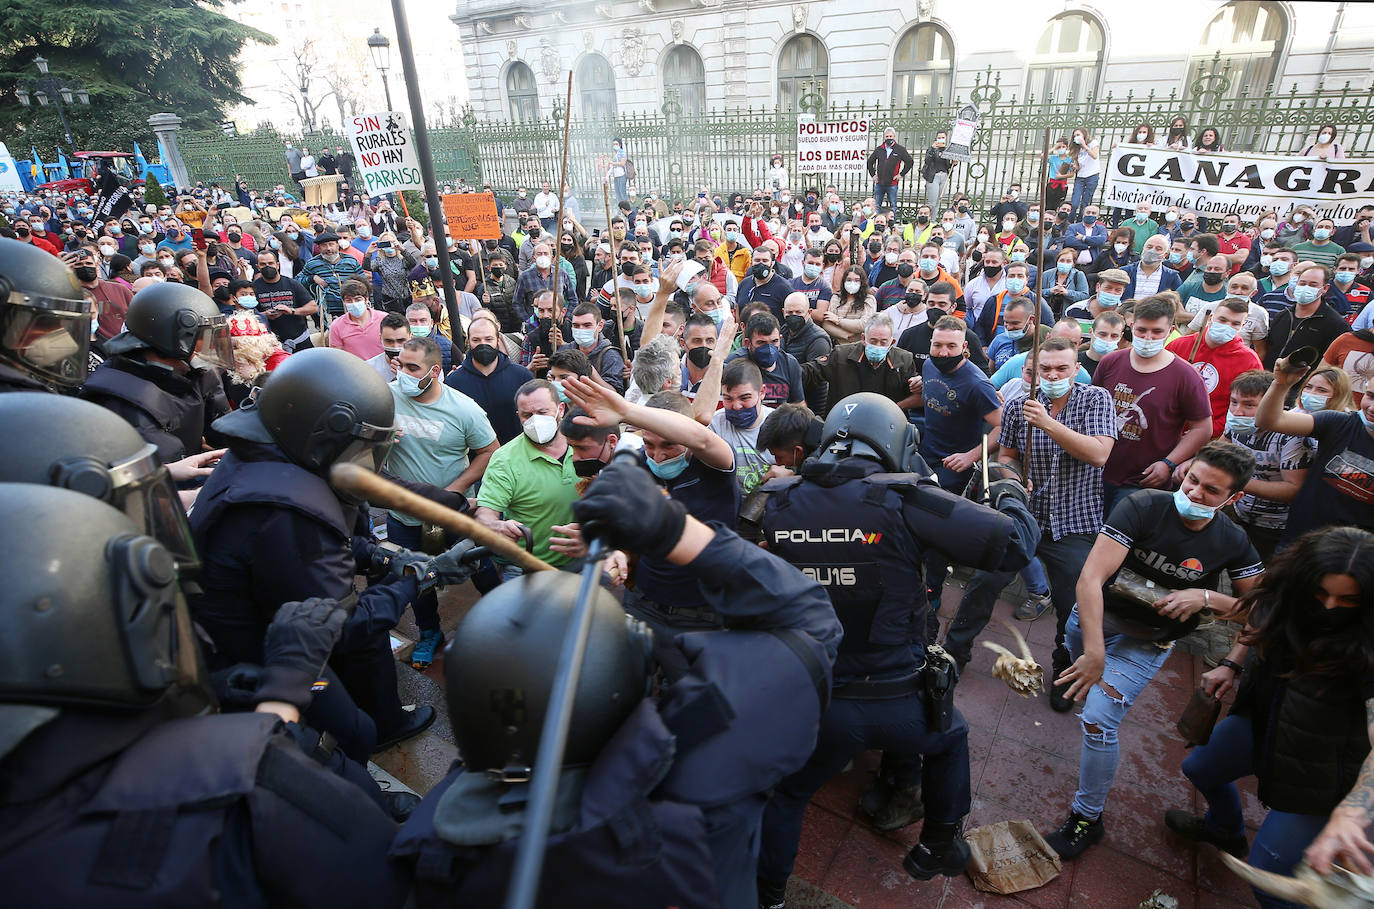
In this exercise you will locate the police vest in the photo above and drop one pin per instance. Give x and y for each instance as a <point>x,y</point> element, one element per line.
<point>277,483</point>
<point>853,540</point>
<point>150,832</point>
<point>629,846</point>
<point>179,419</point>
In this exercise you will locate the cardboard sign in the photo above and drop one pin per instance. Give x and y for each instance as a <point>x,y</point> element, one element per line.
<point>385,153</point>
<point>472,216</point>
<point>961,133</point>
<point>832,146</point>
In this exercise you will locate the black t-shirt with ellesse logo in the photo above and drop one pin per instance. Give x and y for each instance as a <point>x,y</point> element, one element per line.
<point>1162,549</point>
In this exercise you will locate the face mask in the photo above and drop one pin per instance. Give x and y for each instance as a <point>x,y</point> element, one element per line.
<point>868,209</point>
<point>1016,285</point>
<point>1299,218</point>
<point>928,267</point>
<point>1151,256</point>
<point>716,315</point>
<point>670,469</point>
<point>542,262</point>
<point>1142,216</point>
<point>147,249</point>
<point>875,353</point>
<point>1090,220</point>
<point>761,273</point>
<point>540,428</point>
<point>1344,277</point>
<point>585,337</point>
<point>1015,334</point>
<point>1063,267</point>
<point>558,387</point>
<point>811,270</point>
<point>1366,262</point>
<point>534,232</point>
<point>1175,258</point>
<point>145,229</point>
<point>1033,217</point>
<point>108,251</point>
<point>1301,294</point>
<point>1220,334</point>
<point>1170,217</point>
<point>1191,510</point>
<point>947,364</point>
<point>1266,260</point>
<point>1147,348</point>
<point>357,309</point>
<point>1212,279</point>
<point>963,209</point>
<point>1313,402</point>
<point>644,291</point>
<point>1230,228</point>
<point>794,323</point>
<point>165,263</point>
<point>906,270</point>
<point>85,273</point>
<point>51,349</point>
<point>1278,268</point>
<point>247,302</point>
<point>364,232</point>
<point>947,225</point>
<point>270,272</point>
<point>1142,136</point>
<point>982,238</point>
<point>1102,347</point>
<point>1324,138</point>
<point>421,331</point>
<point>1238,425</point>
<point>1267,233</point>
<point>410,386</point>
<point>1321,233</point>
<point>765,355</point>
<point>743,418</point>
<point>1054,389</point>
<point>1368,423</point>
<point>700,357</point>
<point>1120,248</point>
<point>890,258</point>
<point>1018,256</point>
<point>992,271</point>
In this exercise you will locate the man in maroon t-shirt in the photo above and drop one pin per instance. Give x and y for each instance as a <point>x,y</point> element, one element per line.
<point>1162,413</point>
<point>112,296</point>
<point>1221,355</point>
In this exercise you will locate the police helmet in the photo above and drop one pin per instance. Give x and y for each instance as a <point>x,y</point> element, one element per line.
<point>55,440</point>
<point>320,406</point>
<point>93,614</point>
<point>868,425</point>
<point>176,321</point>
<point>501,666</point>
<point>45,319</point>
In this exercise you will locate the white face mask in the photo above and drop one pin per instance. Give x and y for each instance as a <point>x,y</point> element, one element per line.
<point>1008,224</point>
<point>543,262</point>
<point>851,287</point>
<point>51,349</point>
<point>1119,247</point>
<point>540,428</point>
<point>1324,138</point>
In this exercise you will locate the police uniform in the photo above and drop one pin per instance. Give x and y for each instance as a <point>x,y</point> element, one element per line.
<point>668,811</point>
<point>861,534</point>
<point>172,411</point>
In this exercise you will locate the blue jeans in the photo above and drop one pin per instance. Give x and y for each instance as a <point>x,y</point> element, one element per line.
<point>1213,769</point>
<point>1063,561</point>
<point>426,605</point>
<point>851,727</point>
<point>884,192</point>
<point>1083,190</point>
<point>622,188</point>
<point>935,190</point>
<point>1034,576</point>
<point>1129,666</point>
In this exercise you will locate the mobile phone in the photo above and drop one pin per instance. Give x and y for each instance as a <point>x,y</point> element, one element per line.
<point>383,244</point>
<point>198,238</point>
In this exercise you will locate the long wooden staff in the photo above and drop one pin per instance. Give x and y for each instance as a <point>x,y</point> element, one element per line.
<point>1035,298</point>
<point>615,299</point>
<point>562,181</point>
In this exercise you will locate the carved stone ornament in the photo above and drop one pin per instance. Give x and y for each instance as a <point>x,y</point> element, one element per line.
<point>560,17</point>
<point>521,21</point>
<point>588,39</point>
<point>632,51</point>
<point>510,49</point>
<point>677,28</point>
<point>603,10</point>
<point>483,27</point>
<point>924,9</point>
<point>549,62</point>
<point>799,16</point>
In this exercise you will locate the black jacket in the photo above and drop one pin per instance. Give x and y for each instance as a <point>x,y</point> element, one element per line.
<point>884,167</point>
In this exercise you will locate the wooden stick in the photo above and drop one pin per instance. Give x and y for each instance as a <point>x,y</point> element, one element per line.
<point>615,298</point>
<point>1034,323</point>
<point>1197,345</point>
<point>562,181</point>
<point>382,492</point>
<point>1040,231</point>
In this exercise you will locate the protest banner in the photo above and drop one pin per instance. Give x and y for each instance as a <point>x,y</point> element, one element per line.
<point>471,216</point>
<point>959,145</point>
<point>832,146</point>
<point>1214,184</point>
<point>386,159</point>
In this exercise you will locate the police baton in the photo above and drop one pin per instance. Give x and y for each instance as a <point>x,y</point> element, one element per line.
<point>553,738</point>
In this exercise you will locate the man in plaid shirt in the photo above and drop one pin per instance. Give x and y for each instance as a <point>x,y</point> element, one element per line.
<point>1072,428</point>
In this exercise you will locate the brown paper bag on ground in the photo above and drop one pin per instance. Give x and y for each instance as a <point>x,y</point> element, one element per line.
<point>1009,857</point>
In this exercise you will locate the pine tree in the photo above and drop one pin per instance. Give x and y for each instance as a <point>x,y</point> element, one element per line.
<point>153,194</point>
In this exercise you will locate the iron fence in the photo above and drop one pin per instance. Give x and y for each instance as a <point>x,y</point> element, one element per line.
<point>728,150</point>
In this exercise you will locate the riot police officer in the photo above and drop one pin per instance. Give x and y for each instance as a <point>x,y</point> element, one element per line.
<point>660,797</point>
<point>270,529</point>
<point>860,531</point>
<point>117,787</point>
<point>45,321</point>
<point>160,373</point>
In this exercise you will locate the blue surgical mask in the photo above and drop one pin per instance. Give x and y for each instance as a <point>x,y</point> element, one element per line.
<point>1368,424</point>
<point>1063,267</point>
<point>1304,295</point>
<point>671,468</point>
<point>1108,300</point>
<point>875,353</point>
<point>356,310</point>
<point>742,418</point>
<point>431,262</point>
<point>1344,277</point>
<point>1220,334</point>
<point>1278,268</point>
<point>421,331</point>
<point>1190,509</point>
<point>1175,258</point>
<point>1054,389</point>
<point>716,315</point>
<point>1015,334</point>
<point>1018,256</point>
<point>1147,347</point>
<point>558,387</point>
<point>1311,403</point>
<point>765,355</point>
<point>811,270</point>
<point>1016,285</point>
<point>1090,220</point>
<point>585,337</point>
<point>247,302</point>
<point>1321,233</point>
<point>409,385</point>
<point>1102,347</point>
<point>1192,257</point>
<point>1239,426</point>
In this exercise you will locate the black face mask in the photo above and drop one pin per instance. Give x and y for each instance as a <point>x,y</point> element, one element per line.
<point>545,325</point>
<point>567,247</point>
<point>1211,280</point>
<point>587,467</point>
<point>85,273</point>
<point>905,270</point>
<point>700,357</point>
<point>874,248</point>
<point>923,219</point>
<point>269,272</point>
<point>533,231</point>
<point>832,257</point>
<point>492,244</point>
<point>484,354</point>
<point>794,324</point>
<point>761,273</point>
<point>221,294</point>
<point>234,238</point>
<point>947,365</point>
<point>627,268</point>
<point>992,271</point>
<point>498,273</point>
<point>914,300</point>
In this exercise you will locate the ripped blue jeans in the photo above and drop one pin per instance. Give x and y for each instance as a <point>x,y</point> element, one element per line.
<point>1129,666</point>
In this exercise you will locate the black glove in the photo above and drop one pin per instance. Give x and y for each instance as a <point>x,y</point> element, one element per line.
<point>453,566</point>
<point>236,686</point>
<point>627,510</point>
<point>299,641</point>
<point>400,562</point>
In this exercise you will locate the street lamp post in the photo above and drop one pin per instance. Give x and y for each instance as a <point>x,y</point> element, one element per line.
<point>49,87</point>
<point>380,47</point>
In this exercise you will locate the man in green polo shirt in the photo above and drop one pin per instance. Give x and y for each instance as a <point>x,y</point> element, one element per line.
<point>530,480</point>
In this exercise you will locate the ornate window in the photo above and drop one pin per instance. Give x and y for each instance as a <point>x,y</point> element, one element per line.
<point>922,66</point>
<point>803,59</point>
<point>1068,58</point>
<point>596,88</point>
<point>1250,36</point>
<point>521,94</point>
<point>684,73</point>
